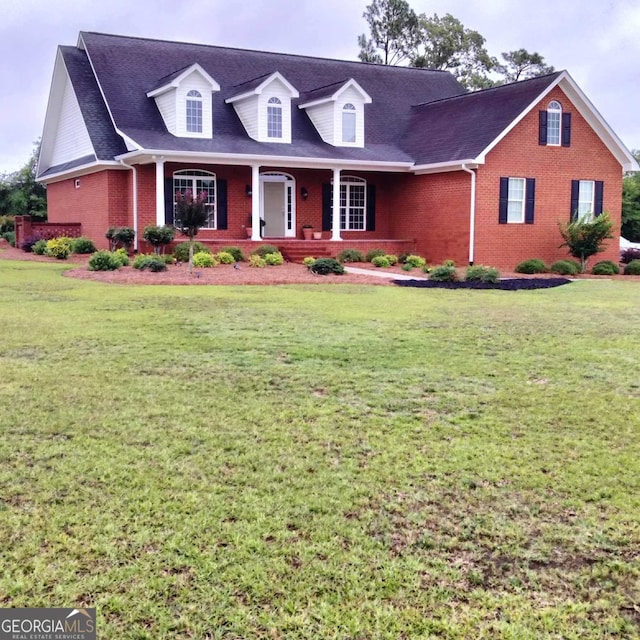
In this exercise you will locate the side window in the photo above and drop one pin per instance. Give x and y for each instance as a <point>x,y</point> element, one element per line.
<point>348,123</point>
<point>517,200</point>
<point>194,111</point>
<point>274,118</point>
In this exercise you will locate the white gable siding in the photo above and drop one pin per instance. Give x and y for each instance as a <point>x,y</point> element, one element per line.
<point>197,82</point>
<point>247,111</point>
<point>323,119</point>
<point>167,106</point>
<point>275,89</point>
<point>71,138</point>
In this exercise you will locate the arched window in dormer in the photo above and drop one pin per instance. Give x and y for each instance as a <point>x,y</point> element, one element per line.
<point>554,122</point>
<point>194,111</point>
<point>348,123</point>
<point>274,118</point>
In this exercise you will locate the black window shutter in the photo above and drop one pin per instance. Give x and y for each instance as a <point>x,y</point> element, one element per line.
<point>575,192</point>
<point>566,129</point>
<point>168,201</point>
<point>542,129</point>
<point>504,200</point>
<point>531,201</point>
<point>327,209</point>
<point>599,196</point>
<point>371,207</point>
<point>221,204</point>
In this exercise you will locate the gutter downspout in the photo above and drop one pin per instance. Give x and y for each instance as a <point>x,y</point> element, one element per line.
<point>472,213</point>
<point>135,201</point>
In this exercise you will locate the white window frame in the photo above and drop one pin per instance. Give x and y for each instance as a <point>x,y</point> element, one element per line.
<point>554,124</point>
<point>515,204</point>
<point>350,213</point>
<point>193,176</point>
<point>349,122</point>
<point>586,204</point>
<point>194,112</point>
<point>275,123</point>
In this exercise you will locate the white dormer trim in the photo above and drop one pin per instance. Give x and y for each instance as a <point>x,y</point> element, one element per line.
<point>252,107</point>
<point>333,115</point>
<point>175,98</point>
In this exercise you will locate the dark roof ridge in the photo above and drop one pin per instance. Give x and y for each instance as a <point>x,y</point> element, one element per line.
<point>484,91</point>
<point>264,75</point>
<point>176,72</point>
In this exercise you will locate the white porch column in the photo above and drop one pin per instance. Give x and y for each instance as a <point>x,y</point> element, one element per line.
<point>159,190</point>
<point>255,202</point>
<point>335,224</point>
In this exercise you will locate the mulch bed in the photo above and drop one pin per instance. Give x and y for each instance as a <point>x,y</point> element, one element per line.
<point>511,284</point>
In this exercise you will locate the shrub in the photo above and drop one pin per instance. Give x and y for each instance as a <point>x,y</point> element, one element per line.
<point>391,259</point>
<point>40,248</point>
<point>7,223</point>
<point>149,262</point>
<point>585,237</point>
<point>633,268</point>
<point>449,263</point>
<point>181,251</point>
<point>565,267</point>
<point>444,273</point>
<point>167,258</point>
<point>308,261</point>
<point>274,259</point>
<point>533,265</point>
<point>104,261</point>
<point>82,245</point>
<point>256,261</point>
<point>59,248</point>
<point>236,252</point>
<point>264,249</point>
<point>380,261</point>
<point>605,268</point>
<point>224,257</point>
<point>29,241</point>
<point>628,255</point>
<point>203,259</point>
<point>374,253</point>
<point>479,273</point>
<point>407,267</point>
<point>120,235</point>
<point>415,261</point>
<point>324,266</point>
<point>350,255</point>
<point>122,256</point>
<point>158,237</point>
<point>10,237</point>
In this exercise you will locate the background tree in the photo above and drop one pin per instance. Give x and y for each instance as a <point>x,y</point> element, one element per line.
<point>191,214</point>
<point>584,238</point>
<point>20,194</point>
<point>393,27</point>
<point>631,204</point>
<point>521,65</point>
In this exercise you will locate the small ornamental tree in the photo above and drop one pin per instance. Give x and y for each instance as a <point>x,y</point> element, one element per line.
<point>584,238</point>
<point>158,237</point>
<point>191,214</point>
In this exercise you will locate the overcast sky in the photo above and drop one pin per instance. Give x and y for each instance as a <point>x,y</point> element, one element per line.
<point>597,41</point>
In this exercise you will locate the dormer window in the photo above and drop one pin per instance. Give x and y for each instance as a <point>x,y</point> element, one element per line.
<point>194,111</point>
<point>554,120</point>
<point>348,123</point>
<point>274,118</point>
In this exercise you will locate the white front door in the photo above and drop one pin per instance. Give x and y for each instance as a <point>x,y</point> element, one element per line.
<point>278,206</point>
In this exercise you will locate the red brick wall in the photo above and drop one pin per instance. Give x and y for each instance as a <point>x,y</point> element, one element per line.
<point>520,156</point>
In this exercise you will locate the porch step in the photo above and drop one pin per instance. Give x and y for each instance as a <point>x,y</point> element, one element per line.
<point>299,251</point>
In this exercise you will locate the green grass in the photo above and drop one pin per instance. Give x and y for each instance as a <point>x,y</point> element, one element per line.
<point>321,461</point>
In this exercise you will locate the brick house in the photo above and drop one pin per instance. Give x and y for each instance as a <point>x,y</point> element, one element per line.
<point>421,164</point>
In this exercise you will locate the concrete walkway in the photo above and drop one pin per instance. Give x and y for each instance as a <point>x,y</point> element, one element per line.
<point>381,274</point>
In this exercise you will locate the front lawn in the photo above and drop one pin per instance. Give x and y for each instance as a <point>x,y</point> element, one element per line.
<point>321,461</point>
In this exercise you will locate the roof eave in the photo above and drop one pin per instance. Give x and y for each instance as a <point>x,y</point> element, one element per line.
<point>443,167</point>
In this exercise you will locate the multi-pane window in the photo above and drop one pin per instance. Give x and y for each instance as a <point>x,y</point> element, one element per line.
<point>353,203</point>
<point>274,118</point>
<point>348,123</point>
<point>197,182</point>
<point>515,200</point>
<point>554,122</point>
<point>194,112</point>
<point>586,194</point>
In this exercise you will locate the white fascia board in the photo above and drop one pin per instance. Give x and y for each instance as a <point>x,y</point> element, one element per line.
<point>293,92</point>
<point>82,170</point>
<point>443,167</point>
<point>178,79</point>
<point>146,156</point>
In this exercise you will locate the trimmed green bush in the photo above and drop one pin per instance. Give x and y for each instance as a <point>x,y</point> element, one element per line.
<point>444,273</point>
<point>122,255</point>
<point>391,259</point>
<point>415,261</point>
<point>480,273</point>
<point>274,259</point>
<point>308,261</point>
<point>605,268</point>
<point>204,260</point>
<point>264,249</point>
<point>10,237</point>
<point>350,255</point>
<point>381,261</point>
<point>59,248</point>
<point>565,268</point>
<point>39,248</point>
<point>120,235</point>
<point>82,245</point>
<point>149,262</point>
<point>223,257</point>
<point>181,251</point>
<point>104,261</point>
<point>257,261</point>
<point>158,237</point>
<point>533,265</point>
<point>449,263</point>
<point>633,268</point>
<point>374,253</point>
<point>325,266</point>
<point>236,252</point>
<point>407,267</point>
